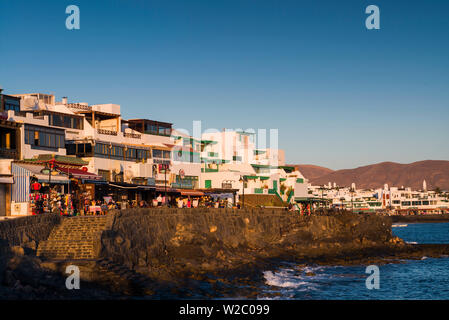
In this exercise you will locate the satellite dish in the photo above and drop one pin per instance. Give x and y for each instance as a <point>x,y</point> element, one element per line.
<point>117,167</point>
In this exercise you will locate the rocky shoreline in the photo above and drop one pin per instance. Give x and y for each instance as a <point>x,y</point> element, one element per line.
<point>209,254</point>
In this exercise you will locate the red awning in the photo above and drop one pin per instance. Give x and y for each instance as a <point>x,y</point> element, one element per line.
<point>80,174</point>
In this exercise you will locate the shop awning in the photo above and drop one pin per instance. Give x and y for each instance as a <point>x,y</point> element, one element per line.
<point>35,170</point>
<point>221,195</point>
<point>80,174</point>
<point>130,186</point>
<point>171,190</point>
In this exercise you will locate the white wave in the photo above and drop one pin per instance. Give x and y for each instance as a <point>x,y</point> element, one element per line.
<point>411,242</point>
<point>283,279</point>
<point>312,269</point>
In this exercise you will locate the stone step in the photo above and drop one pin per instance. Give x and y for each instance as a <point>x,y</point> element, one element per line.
<point>68,256</point>
<point>77,235</point>
<point>74,238</point>
<point>80,228</point>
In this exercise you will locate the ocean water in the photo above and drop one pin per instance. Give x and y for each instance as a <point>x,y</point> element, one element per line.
<point>426,279</point>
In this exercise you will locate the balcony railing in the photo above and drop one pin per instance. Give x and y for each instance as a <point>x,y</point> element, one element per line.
<point>108,132</point>
<point>9,154</point>
<point>132,135</point>
<point>79,106</point>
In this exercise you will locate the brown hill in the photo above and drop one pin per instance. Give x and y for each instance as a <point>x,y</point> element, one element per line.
<point>310,171</point>
<point>435,172</point>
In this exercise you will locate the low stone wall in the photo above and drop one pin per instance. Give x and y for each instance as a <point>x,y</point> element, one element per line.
<point>156,240</point>
<point>27,231</point>
<point>19,236</point>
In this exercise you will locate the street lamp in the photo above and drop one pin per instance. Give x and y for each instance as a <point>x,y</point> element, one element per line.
<point>48,169</point>
<point>243,179</point>
<point>165,166</point>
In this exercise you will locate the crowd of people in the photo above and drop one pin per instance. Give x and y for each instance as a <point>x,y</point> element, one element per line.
<point>84,204</point>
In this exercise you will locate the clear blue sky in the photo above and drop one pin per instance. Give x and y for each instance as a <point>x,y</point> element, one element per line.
<point>341,95</point>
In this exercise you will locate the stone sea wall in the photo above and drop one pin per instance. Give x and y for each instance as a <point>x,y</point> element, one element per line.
<point>27,231</point>
<point>21,236</point>
<point>159,241</point>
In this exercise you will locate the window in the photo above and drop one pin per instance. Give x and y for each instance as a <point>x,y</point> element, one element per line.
<point>11,107</point>
<point>71,149</point>
<point>157,153</point>
<point>65,121</point>
<point>105,174</point>
<point>36,138</point>
<point>141,154</point>
<point>164,154</point>
<point>48,138</point>
<point>11,104</point>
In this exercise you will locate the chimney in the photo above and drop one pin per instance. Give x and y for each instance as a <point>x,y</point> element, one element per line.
<point>64,100</point>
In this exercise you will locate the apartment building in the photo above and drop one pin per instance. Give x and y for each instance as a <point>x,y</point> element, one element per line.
<point>10,148</point>
<point>233,159</point>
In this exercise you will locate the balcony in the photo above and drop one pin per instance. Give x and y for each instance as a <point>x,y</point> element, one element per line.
<point>9,154</point>
<point>132,135</point>
<point>107,132</point>
<point>79,106</point>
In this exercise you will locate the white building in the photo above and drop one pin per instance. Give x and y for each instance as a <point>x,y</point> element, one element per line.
<point>395,198</point>
<point>232,159</point>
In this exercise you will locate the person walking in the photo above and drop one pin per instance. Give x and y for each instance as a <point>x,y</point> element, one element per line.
<point>159,200</point>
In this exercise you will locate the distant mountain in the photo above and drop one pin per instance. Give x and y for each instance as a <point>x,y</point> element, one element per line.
<point>435,172</point>
<point>310,171</point>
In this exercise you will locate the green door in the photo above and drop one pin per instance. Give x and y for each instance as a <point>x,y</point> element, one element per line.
<point>208,184</point>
